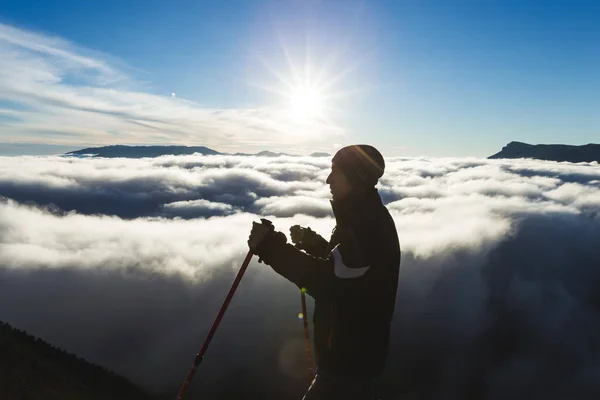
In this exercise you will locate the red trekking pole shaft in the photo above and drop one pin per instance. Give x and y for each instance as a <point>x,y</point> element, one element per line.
<point>311,373</point>
<point>214,327</point>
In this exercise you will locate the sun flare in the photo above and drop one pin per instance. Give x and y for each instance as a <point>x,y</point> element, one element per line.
<point>306,102</point>
<point>312,92</point>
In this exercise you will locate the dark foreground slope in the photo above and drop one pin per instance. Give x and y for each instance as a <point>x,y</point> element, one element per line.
<point>33,369</point>
<point>550,152</point>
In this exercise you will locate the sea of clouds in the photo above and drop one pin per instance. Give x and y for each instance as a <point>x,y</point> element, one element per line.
<point>125,262</point>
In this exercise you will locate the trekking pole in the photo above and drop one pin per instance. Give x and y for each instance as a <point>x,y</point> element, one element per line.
<point>215,325</point>
<point>311,374</point>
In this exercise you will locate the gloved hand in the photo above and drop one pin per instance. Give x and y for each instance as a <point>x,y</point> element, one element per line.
<point>297,233</point>
<point>264,240</point>
<point>306,238</point>
<point>258,233</point>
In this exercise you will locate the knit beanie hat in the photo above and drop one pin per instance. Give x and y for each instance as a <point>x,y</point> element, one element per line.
<point>362,164</point>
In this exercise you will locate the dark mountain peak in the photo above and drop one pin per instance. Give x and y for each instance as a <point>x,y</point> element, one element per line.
<point>123,151</point>
<point>518,145</point>
<point>267,153</point>
<point>142,151</point>
<point>550,152</point>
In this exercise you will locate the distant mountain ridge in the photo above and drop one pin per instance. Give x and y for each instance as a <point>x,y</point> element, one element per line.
<point>157,151</point>
<point>550,152</point>
<point>30,368</point>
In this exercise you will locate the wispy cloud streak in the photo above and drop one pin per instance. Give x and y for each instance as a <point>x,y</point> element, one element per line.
<point>69,95</point>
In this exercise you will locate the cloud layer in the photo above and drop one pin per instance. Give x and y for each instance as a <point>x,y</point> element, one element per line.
<point>126,262</point>
<point>62,94</point>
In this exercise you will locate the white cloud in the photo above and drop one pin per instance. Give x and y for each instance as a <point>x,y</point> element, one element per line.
<point>69,97</point>
<point>102,242</point>
<point>577,195</point>
<point>499,267</point>
<point>196,208</point>
<point>293,205</point>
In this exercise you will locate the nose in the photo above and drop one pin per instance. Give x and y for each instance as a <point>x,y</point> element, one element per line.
<point>328,181</point>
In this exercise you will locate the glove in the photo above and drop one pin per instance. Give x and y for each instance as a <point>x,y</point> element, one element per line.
<point>257,235</point>
<point>297,235</point>
<point>304,238</point>
<point>307,239</point>
<point>263,239</point>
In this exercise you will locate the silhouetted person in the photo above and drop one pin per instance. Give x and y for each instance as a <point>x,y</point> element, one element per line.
<point>353,277</point>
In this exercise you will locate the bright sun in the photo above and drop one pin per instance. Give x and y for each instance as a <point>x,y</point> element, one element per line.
<point>306,102</point>
<point>308,94</point>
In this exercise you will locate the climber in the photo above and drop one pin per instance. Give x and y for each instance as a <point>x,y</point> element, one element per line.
<point>353,278</point>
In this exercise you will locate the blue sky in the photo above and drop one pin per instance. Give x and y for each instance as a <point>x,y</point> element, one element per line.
<point>434,78</point>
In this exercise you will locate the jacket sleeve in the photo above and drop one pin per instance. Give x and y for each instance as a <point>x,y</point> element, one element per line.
<point>339,272</point>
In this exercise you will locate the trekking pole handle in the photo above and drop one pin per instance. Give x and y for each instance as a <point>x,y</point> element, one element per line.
<point>267,222</point>
<point>270,225</point>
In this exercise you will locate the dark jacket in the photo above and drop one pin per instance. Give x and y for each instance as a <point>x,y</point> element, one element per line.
<point>353,280</point>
